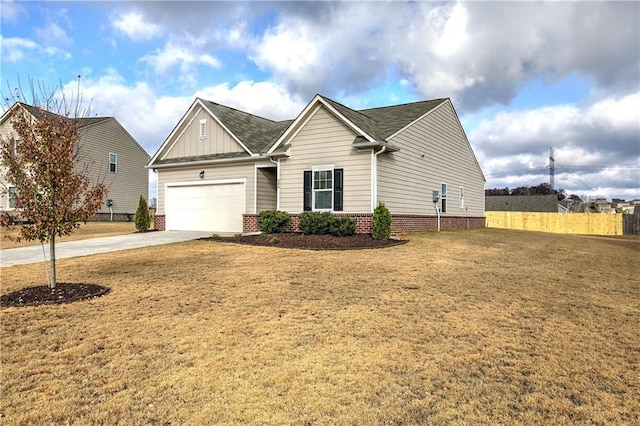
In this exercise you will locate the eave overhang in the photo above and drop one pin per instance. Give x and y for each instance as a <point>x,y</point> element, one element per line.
<point>360,143</point>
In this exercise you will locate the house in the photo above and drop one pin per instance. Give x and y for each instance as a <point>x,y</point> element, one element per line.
<point>220,167</point>
<point>110,155</point>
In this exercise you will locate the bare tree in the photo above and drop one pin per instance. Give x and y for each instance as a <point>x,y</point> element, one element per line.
<point>42,160</point>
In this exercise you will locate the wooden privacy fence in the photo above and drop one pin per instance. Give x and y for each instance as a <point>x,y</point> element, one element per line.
<point>561,223</point>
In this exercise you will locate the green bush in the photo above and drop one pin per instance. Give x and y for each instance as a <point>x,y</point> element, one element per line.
<point>342,226</point>
<point>142,218</point>
<point>274,221</point>
<point>314,222</point>
<point>381,226</point>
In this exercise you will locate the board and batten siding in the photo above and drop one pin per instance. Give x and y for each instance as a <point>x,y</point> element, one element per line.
<point>211,173</point>
<point>325,140</point>
<point>433,150</point>
<point>131,179</point>
<point>189,144</point>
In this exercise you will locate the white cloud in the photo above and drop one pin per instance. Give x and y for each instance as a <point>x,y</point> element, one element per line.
<point>133,25</point>
<point>10,11</point>
<point>596,146</point>
<point>180,55</point>
<point>53,34</point>
<point>15,49</point>
<point>262,98</point>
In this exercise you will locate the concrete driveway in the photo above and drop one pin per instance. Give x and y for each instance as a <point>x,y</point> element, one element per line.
<point>33,254</point>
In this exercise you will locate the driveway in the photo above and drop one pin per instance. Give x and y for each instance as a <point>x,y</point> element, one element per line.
<point>33,254</point>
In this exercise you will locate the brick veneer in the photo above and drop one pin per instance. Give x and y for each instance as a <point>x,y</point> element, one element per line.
<point>158,222</point>
<point>399,223</point>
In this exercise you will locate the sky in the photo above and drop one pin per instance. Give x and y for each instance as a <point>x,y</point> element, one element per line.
<point>522,76</point>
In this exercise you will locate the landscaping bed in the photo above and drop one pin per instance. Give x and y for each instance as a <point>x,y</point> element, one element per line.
<point>312,242</point>
<point>42,294</point>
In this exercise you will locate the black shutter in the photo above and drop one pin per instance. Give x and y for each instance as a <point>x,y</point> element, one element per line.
<point>308,188</point>
<point>337,189</point>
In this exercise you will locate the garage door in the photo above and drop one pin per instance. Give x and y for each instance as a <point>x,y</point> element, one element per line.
<point>208,207</point>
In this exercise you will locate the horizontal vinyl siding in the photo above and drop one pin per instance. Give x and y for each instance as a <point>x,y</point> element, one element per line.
<point>188,143</point>
<point>267,196</point>
<point>131,178</point>
<point>192,174</point>
<point>432,151</point>
<point>325,140</point>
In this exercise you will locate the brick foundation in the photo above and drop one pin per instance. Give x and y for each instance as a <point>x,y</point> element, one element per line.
<point>399,223</point>
<point>158,222</point>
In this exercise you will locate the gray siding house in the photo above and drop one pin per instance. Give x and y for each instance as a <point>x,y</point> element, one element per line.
<point>220,167</point>
<point>109,153</point>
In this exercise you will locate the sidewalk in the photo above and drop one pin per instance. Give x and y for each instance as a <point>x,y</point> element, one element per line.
<point>33,254</point>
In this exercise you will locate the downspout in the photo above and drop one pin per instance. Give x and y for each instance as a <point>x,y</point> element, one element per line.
<point>374,179</point>
<point>277,163</point>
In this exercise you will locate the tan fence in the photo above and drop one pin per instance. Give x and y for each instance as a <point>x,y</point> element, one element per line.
<point>561,223</point>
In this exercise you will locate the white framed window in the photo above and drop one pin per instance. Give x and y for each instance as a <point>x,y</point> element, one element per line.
<point>462,197</point>
<point>113,163</point>
<point>443,197</point>
<point>15,143</point>
<point>323,189</point>
<point>11,197</point>
<point>203,128</point>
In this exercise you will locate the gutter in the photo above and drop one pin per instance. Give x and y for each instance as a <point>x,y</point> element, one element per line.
<point>206,162</point>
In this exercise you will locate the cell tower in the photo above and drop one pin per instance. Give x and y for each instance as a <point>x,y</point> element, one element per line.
<point>552,169</point>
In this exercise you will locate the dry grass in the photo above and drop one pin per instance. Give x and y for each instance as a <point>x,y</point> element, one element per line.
<point>473,327</point>
<point>87,230</point>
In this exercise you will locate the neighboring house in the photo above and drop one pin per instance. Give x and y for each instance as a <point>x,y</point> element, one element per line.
<point>220,167</point>
<point>525,203</point>
<point>110,154</point>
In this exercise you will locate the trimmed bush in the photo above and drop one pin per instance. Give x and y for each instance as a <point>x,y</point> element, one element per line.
<point>274,221</point>
<point>142,218</point>
<point>314,222</point>
<point>342,226</point>
<point>381,224</point>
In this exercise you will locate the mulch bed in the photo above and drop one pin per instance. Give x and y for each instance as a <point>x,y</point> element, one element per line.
<point>311,242</point>
<point>42,294</point>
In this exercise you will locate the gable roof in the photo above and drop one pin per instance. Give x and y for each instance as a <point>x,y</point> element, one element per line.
<point>255,132</point>
<point>259,135</point>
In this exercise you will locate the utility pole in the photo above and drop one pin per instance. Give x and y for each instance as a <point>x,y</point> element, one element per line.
<point>552,169</point>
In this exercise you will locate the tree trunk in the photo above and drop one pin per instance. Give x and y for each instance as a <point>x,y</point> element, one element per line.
<point>52,261</point>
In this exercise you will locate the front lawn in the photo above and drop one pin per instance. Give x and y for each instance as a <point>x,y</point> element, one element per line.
<point>470,327</point>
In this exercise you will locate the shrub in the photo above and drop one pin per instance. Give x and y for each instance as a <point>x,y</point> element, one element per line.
<point>342,226</point>
<point>314,222</point>
<point>274,221</point>
<point>143,218</point>
<point>381,225</point>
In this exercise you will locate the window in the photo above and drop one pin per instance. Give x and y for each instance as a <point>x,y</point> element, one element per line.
<point>203,128</point>
<point>11,194</point>
<point>113,162</point>
<point>443,197</point>
<point>323,189</point>
<point>15,143</point>
<point>462,197</point>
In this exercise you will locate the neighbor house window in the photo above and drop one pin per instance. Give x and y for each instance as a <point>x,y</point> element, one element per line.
<point>113,162</point>
<point>11,195</point>
<point>203,128</point>
<point>443,197</point>
<point>323,189</point>
<point>462,197</point>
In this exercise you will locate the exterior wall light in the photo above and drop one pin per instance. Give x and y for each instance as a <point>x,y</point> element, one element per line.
<point>202,174</point>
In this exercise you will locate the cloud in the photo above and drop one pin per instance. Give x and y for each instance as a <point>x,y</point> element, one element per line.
<point>262,98</point>
<point>53,34</point>
<point>16,49</point>
<point>595,146</point>
<point>133,25</point>
<point>11,10</point>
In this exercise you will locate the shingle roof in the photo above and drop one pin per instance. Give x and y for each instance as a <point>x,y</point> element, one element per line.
<point>256,133</point>
<point>259,134</point>
<point>82,122</point>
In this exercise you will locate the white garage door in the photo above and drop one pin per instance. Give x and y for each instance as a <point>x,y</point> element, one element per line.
<point>208,207</point>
